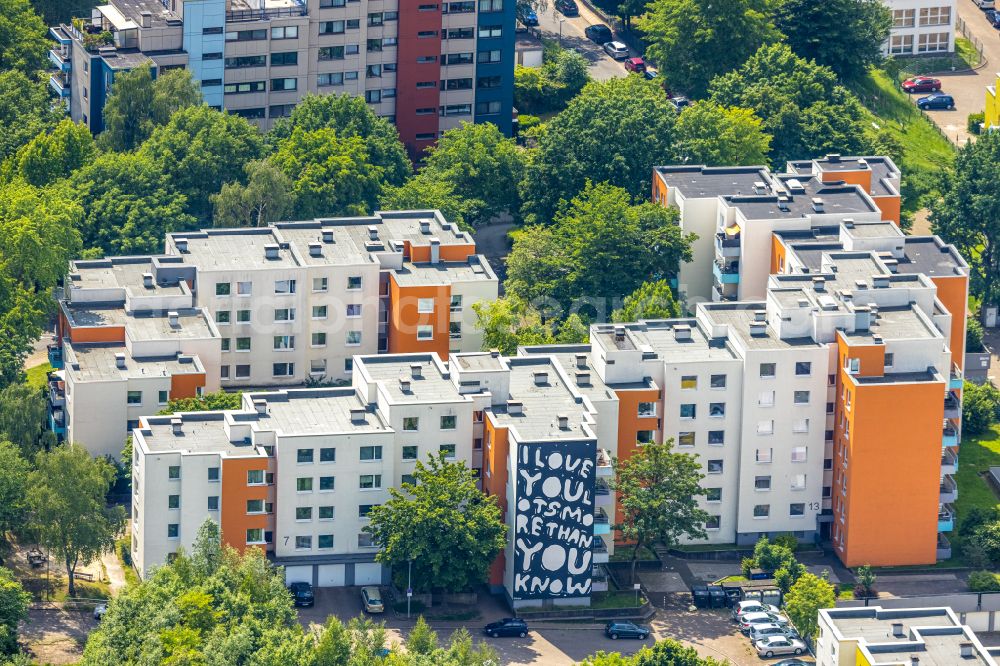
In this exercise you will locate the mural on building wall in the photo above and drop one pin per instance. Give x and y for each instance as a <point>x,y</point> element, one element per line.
<point>554,521</point>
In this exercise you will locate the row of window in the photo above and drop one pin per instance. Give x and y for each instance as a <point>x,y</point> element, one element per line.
<point>277,60</point>
<point>285,315</point>
<point>259,536</point>
<point>928,16</point>
<point>135,397</point>
<point>937,42</point>
<point>316,367</point>
<point>287,342</point>
<point>282,32</point>
<point>319,284</point>
<point>795,510</point>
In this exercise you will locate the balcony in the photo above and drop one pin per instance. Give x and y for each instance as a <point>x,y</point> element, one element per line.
<point>598,579</point>
<point>949,434</point>
<point>59,82</point>
<point>727,245</point>
<point>600,551</point>
<point>60,59</point>
<point>57,422</point>
<point>55,357</point>
<point>266,13</point>
<point>57,394</point>
<point>956,381</point>
<point>952,406</point>
<point>718,296</point>
<point>604,463</point>
<point>946,518</point>
<point>602,524</point>
<point>949,490</point>
<point>726,272</point>
<point>943,547</point>
<point>602,494</point>
<point>949,463</point>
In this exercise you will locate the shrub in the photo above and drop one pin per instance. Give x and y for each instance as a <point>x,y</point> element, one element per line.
<point>974,335</point>
<point>124,546</point>
<point>980,407</point>
<point>983,581</point>
<point>788,541</point>
<point>974,122</point>
<point>526,121</point>
<point>747,564</point>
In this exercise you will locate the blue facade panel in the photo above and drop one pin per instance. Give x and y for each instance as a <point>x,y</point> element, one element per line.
<point>199,16</point>
<point>496,104</point>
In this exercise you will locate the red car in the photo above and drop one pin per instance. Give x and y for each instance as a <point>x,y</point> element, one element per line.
<point>919,84</point>
<point>637,65</point>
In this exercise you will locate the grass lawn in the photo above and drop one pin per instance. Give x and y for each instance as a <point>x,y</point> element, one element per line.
<point>622,599</point>
<point>976,455</point>
<point>845,591</point>
<point>966,52</point>
<point>38,375</point>
<point>709,547</point>
<point>624,554</point>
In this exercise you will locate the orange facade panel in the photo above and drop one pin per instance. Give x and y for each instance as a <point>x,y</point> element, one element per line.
<point>186,386</point>
<point>630,424</point>
<point>234,519</point>
<point>953,292</point>
<point>97,334</point>
<point>406,320</point>
<point>860,177</point>
<point>422,253</point>
<point>889,205</point>
<point>495,455</point>
<point>778,255</point>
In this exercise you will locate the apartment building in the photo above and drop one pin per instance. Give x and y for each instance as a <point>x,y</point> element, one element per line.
<point>272,306</point>
<point>873,636</point>
<point>426,67</point>
<point>921,27</point>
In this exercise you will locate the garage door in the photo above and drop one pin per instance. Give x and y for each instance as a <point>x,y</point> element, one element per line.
<point>368,574</point>
<point>302,574</point>
<point>331,575</point>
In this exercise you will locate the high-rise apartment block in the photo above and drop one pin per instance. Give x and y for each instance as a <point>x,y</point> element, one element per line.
<point>426,66</point>
<point>271,306</point>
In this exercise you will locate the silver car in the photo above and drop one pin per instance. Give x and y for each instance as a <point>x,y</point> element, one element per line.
<point>616,50</point>
<point>759,632</point>
<point>773,645</point>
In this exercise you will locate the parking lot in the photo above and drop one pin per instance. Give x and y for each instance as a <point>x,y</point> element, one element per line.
<point>602,66</point>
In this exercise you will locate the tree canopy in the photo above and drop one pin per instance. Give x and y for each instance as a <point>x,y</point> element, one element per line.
<point>714,135</point>
<point>265,198</point>
<point>138,104</point>
<point>651,300</point>
<point>667,652</point>
<point>561,77</point>
<point>804,600</point>
<point>52,156</point>
<point>26,110</point>
<point>23,44</point>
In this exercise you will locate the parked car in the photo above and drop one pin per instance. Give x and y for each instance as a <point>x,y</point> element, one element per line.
<point>567,8</point>
<point>527,16</point>
<point>616,50</point>
<point>650,74</point>
<point>790,662</point>
<point>936,101</point>
<point>302,594</point>
<point>984,4</point>
<point>99,611</point>
<point>749,620</point>
<point>508,626</point>
<point>598,33</point>
<point>372,599</point>
<point>993,17</point>
<point>760,631</point>
<point>779,645</point>
<point>751,606</point>
<point>637,65</point>
<point>679,102</point>
<point>616,630</point>
<point>921,84</point>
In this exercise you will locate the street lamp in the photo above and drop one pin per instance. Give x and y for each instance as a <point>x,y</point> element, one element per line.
<point>409,586</point>
<point>561,21</point>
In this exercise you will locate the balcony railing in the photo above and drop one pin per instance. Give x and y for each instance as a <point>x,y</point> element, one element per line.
<point>60,60</point>
<point>56,356</point>
<point>57,394</point>
<point>727,246</point>
<point>59,84</point>
<point>956,381</point>
<point>952,406</point>
<point>946,519</point>
<point>949,463</point>
<point>949,434</point>
<point>604,463</point>
<point>726,273</point>
<point>238,15</point>
<point>943,547</point>
<point>948,491</point>
<point>602,524</point>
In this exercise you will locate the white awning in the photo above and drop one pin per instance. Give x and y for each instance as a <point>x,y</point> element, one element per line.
<point>116,18</point>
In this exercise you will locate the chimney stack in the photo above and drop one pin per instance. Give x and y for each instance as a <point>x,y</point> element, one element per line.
<point>581,360</point>
<point>357,414</point>
<point>271,251</point>
<point>515,407</point>
<point>966,650</point>
<point>177,425</point>
<point>425,226</point>
<point>897,629</point>
<point>495,353</point>
<point>260,406</point>
<point>327,235</point>
<point>174,319</point>
<point>416,370</point>
<point>315,249</point>
<point>146,19</point>
<point>120,360</point>
<point>404,385</point>
<point>682,332</point>
<point>435,250</point>
<point>372,232</point>
<point>819,284</point>
<point>563,422</point>
<point>541,378</point>
<point>147,280</point>
<point>182,245</point>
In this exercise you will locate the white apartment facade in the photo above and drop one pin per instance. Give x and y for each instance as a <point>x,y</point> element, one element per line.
<point>921,27</point>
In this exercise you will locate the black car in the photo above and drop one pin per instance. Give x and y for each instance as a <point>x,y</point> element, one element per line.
<point>509,626</point>
<point>993,17</point>
<point>302,594</point>
<point>790,662</point>
<point>616,630</point>
<point>599,33</point>
<point>567,8</point>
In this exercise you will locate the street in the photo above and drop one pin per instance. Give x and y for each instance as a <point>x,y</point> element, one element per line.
<point>602,66</point>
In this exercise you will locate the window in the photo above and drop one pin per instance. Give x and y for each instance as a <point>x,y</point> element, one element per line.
<point>425,111</point>
<point>173,531</point>
<point>372,96</point>
<point>224,369</point>
<point>408,478</point>
<point>716,437</point>
<point>326,484</point>
<point>713,522</point>
<point>762,511</point>
<point>284,286</point>
<point>371,453</point>
<point>173,501</point>
<point>486,31</point>
<point>409,452</point>
<point>411,423</point>
<point>457,59</point>
<point>427,60</point>
<point>332,27</point>
<point>933,42</point>
<point>222,317</point>
<point>354,283</point>
<point>449,422</point>
<point>214,55</point>
<point>304,484</point>
<point>935,16</point>
<point>213,474</point>
<point>320,284</point>
<point>904,18</point>
<point>285,58</point>
<point>487,108</point>
<point>283,369</point>
<point>244,87</point>
<point>800,425</point>
<point>689,383</point>
<point>455,330</point>
<point>799,453</point>
<point>285,32</point>
<point>796,509</point>
<point>713,494</point>
<point>425,85</point>
<point>366,540</point>
<point>456,303</point>
<point>718,381</point>
<point>460,7</point>
<point>246,35</point>
<point>284,314</point>
<point>174,472</point>
<point>353,338</point>
<point>426,34</point>
<point>255,506</point>
<point>488,57</point>
<point>246,61</point>
<point>242,372</point>
<point>370,481</point>
<point>645,436</point>
<point>257,112</point>
<point>447,450</point>
<point>328,455</point>
<point>213,502</point>
<point>303,542</point>
<point>491,5</point>
<point>325,513</point>
<point>688,411</point>
<point>134,397</point>
<point>425,332</point>
<point>765,427</point>
<point>331,53</point>
<point>303,513</point>
<point>459,33</point>
<point>318,339</point>
<point>324,541</point>
<point>802,397</point>
<point>242,344</point>
<point>685,438</point>
<point>255,535</point>
<point>217,30</point>
<point>375,18</point>
<point>714,467</point>
<point>762,483</point>
<point>803,368</point>
<point>798,482</point>
<point>489,82</point>
<point>242,316</point>
<point>279,85</point>
<point>767,370</point>
<point>763,455</point>
<point>304,456</point>
<point>717,410</point>
<point>319,312</point>
<point>223,289</point>
<point>889,359</point>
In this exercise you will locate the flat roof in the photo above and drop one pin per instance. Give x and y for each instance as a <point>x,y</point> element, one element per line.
<point>94,314</point>
<point>738,316</point>
<point>542,403</point>
<point>344,250</point>
<point>201,432</point>
<point>837,199</point>
<point>192,323</point>
<point>431,386</point>
<point>932,257</point>
<point>233,249</point>
<point>660,336</point>
<point>119,273</point>
<point>566,355</point>
<point>897,323</point>
<point>98,362</point>
<point>445,272</point>
<point>478,361</point>
<point>315,412</point>
<point>700,182</point>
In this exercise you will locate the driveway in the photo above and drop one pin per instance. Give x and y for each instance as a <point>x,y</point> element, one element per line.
<point>602,66</point>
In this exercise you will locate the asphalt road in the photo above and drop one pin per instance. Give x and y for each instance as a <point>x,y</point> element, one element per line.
<point>602,66</point>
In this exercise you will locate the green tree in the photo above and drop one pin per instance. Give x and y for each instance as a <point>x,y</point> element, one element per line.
<point>54,12</point>
<point>844,35</point>
<point>265,198</point>
<point>14,602</point>
<point>23,45</point>
<point>199,150</point>
<point>52,156</point>
<point>14,471</point>
<point>715,135</point>
<point>983,581</point>
<point>700,39</point>
<point>561,77</point>
<point>865,580</point>
<point>426,192</point>
<point>429,521</point>
<point>23,414</point>
<point>658,494</point>
<point>980,407</point>
<point>26,110</point>
<point>507,323</point>
<point>967,211</point>
<point>614,131</point>
<point>973,335</point>
<point>572,331</point>
<point>130,204</point>
<point>350,116</point>
<point>330,174</point>
<point>138,104</point>
<point>481,165</point>
<point>802,603</point>
<point>422,640</point>
<point>651,300</point>
<point>68,512</point>
<point>208,402</point>
<point>803,108</point>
